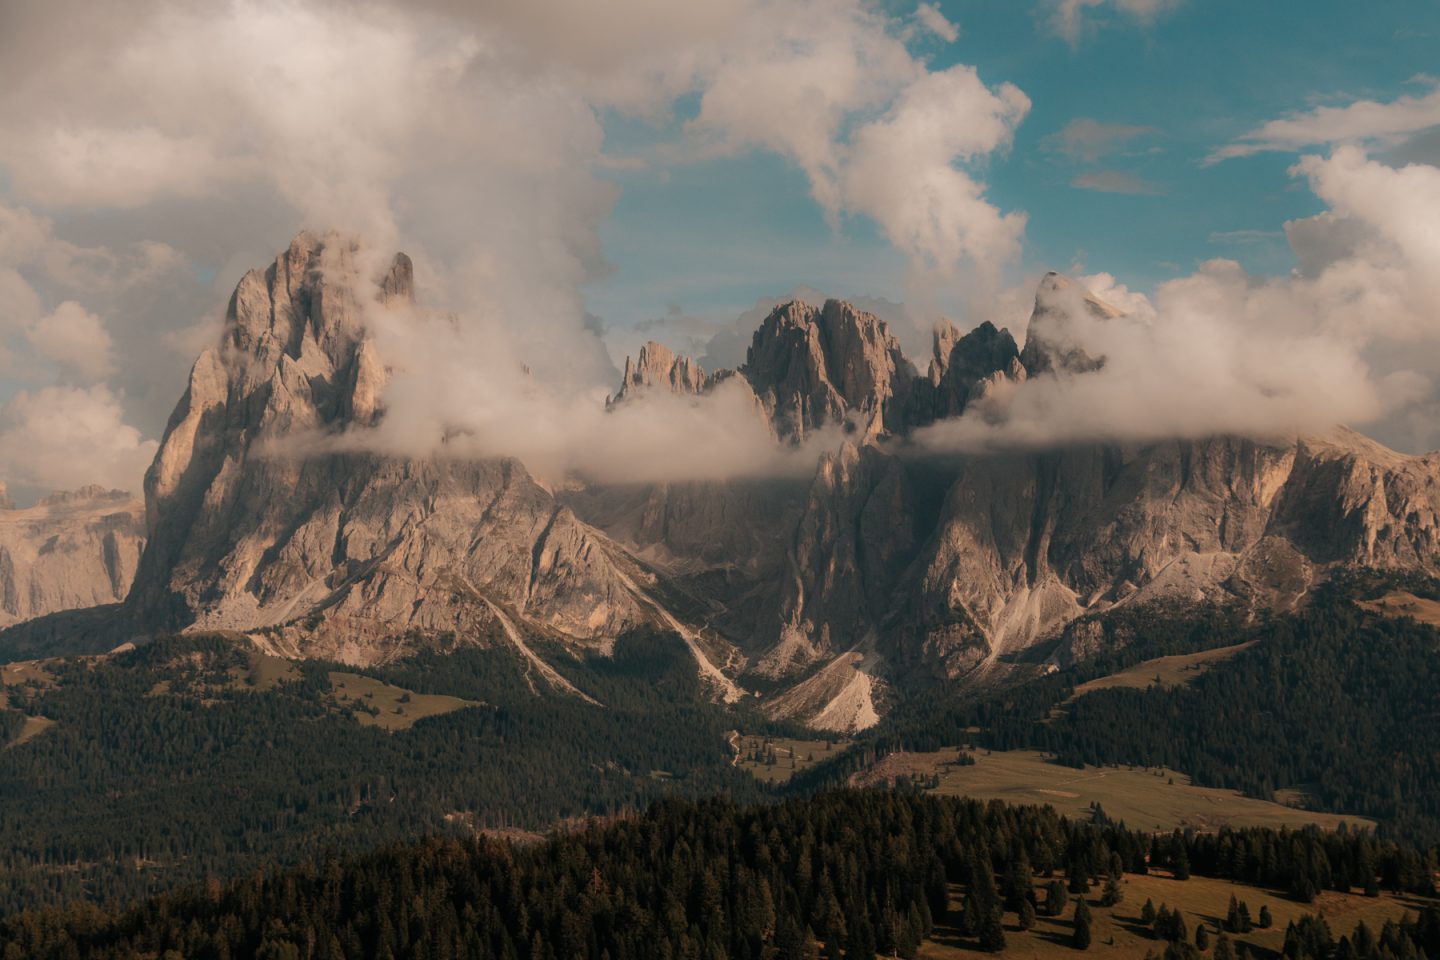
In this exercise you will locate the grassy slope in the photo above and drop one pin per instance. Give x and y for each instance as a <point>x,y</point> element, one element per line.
<point>1399,603</point>
<point>1200,899</point>
<point>25,672</point>
<point>791,756</point>
<point>399,708</point>
<point>34,726</point>
<point>1144,799</point>
<point>1167,671</point>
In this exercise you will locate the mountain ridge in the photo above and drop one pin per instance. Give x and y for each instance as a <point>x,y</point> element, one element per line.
<point>886,567</point>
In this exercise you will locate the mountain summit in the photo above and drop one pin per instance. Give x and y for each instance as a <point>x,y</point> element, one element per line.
<point>884,568</point>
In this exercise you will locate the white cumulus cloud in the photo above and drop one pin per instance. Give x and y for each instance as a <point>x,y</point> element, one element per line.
<point>75,339</point>
<point>66,437</point>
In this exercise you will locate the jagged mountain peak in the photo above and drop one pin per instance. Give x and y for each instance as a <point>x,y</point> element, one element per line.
<point>812,367</point>
<point>875,568</point>
<point>968,367</point>
<point>809,368</point>
<point>1050,342</point>
<point>837,365</point>
<point>657,366</point>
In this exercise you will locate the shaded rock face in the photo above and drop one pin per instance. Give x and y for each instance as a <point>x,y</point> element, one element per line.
<point>1048,345</point>
<point>73,549</point>
<point>965,369</point>
<point>814,368</point>
<point>254,528</point>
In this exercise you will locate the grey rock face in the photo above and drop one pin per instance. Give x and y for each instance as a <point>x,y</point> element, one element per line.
<point>72,549</point>
<point>1048,345</point>
<point>940,565</point>
<point>966,368</point>
<point>883,566</point>
<point>812,368</point>
<point>658,367</point>
<point>256,527</point>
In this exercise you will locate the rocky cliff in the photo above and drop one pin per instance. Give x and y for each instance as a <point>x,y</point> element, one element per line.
<point>884,567</point>
<point>256,525</point>
<point>72,549</point>
<point>894,565</point>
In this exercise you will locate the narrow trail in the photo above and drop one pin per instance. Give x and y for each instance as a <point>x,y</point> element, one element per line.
<point>729,692</point>
<point>532,659</point>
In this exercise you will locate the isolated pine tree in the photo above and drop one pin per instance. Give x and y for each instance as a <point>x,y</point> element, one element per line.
<point>1080,937</point>
<point>1077,876</point>
<point>1181,862</point>
<point>1055,898</point>
<point>992,934</point>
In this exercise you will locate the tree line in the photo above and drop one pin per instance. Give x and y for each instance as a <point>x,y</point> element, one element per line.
<point>853,874</point>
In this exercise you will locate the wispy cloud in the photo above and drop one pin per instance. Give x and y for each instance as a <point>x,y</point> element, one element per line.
<point>937,23</point>
<point>1361,121</point>
<point>1068,17</point>
<point>1114,181</point>
<point>1088,140</point>
<point>1244,237</point>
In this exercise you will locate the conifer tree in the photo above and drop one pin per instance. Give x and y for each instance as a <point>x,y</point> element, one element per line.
<point>1055,898</point>
<point>992,934</point>
<point>1080,937</point>
<point>1077,876</point>
<point>1180,858</point>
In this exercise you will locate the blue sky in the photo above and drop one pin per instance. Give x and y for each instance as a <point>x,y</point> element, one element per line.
<point>151,154</point>
<point>715,236</point>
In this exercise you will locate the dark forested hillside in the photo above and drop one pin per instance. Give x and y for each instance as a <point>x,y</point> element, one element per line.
<point>1336,701</point>
<point>1341,702</point>
<point>864,872</point>
<point>155,771</point>
<point>160,769</point>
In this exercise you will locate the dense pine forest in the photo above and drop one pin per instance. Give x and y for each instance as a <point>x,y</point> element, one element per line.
<point>852,873</point>
<point>156,772</point>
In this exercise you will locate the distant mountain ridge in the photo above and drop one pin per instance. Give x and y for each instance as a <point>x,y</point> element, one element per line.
<point>884,568</point>
<point>73,548</point>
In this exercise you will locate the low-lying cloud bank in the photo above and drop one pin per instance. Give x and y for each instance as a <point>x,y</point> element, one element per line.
<point>441,400</point>
<point>1351,337</point>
